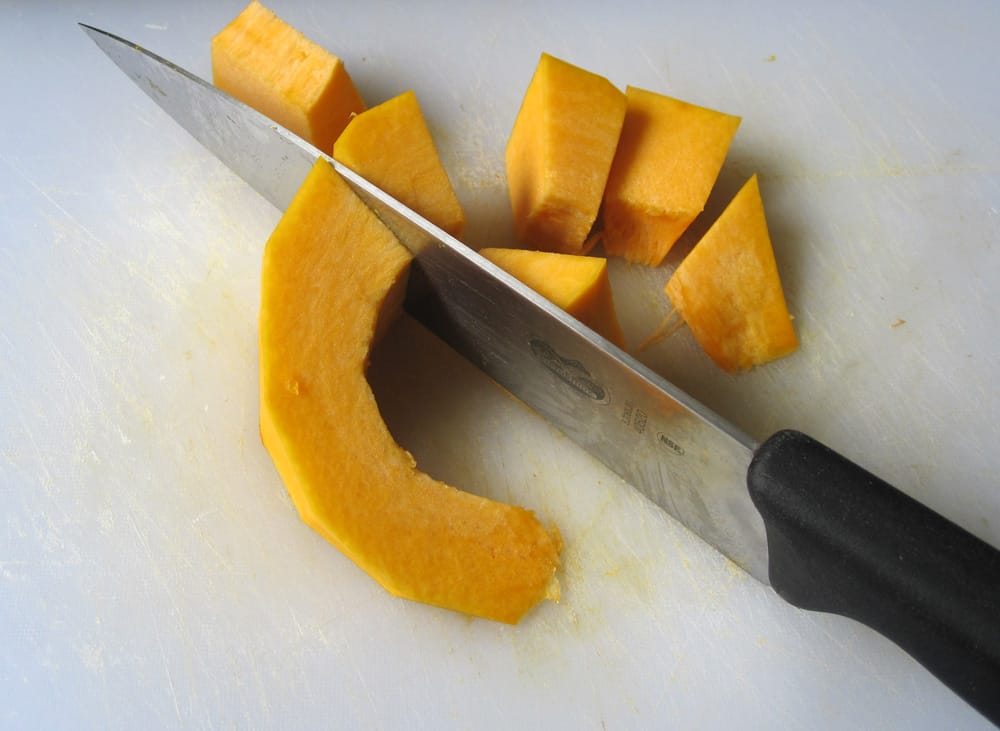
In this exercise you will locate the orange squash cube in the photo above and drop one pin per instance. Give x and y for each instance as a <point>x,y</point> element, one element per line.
<point>728,290</point>
<point>270,66</point>
<point>559,154</point>
<point>668,159</point>
<point>332,275</point>
<point>577,284</point>
<point>391,146</point>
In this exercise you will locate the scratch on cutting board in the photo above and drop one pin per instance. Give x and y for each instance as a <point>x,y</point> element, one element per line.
<point>837,638</point>
<point>65,367</point>
<point>262,685</point>
<point>52,201</point>
<point>204,514</point>
<point>46,480</point>
<point>225,562</point>
<point>295,622</point>
<point>164,584</point>
<point>662,76</point>
<point>166,667</point>
<point>359,673</point>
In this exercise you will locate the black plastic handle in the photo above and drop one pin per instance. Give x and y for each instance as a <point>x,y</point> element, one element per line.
<point>841,540</point>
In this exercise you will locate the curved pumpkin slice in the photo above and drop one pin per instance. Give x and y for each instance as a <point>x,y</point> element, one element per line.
<point>270,66</point>
<point>391,146</point>
<point>330,268</point>
<point>577,284</point>
<point>728,290</point>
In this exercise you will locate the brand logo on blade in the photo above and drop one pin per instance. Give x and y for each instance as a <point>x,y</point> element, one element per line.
<point>568,370</point>
<point>670,444</point>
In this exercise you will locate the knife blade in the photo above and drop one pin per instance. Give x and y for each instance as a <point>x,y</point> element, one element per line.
<point>825,533</point>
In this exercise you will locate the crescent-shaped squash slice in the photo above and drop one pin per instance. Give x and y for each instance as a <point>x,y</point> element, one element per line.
<point>728,290</point>
<point>391,146</point>
<point>577,284</point>
<point>331,274</point>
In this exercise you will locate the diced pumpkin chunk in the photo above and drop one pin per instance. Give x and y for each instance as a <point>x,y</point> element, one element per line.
<point>559,154</point>
<point>391,146</point>
<point>577,284</point>
<point>668,159</point>
<point>728,290</point>
<point>330,269</point>
<point>270,66</point>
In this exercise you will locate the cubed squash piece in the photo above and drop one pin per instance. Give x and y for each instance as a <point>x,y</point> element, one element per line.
<point>578,284</point>
<point>728,290</point>
<point>331,273</point>
<point>668,159</point>
<point>559,154</point>
<point>391,146</point>
<point>270,66</point>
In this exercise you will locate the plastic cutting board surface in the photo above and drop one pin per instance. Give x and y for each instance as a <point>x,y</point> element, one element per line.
<point>152,570</point>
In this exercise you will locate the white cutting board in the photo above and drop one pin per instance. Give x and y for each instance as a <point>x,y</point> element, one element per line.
<point>153,572</point>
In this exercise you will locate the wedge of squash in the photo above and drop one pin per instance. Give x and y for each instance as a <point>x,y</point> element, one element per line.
<point>331,273</point>
<point>668,158</point>
<point>391,146</point>
<point>559,154</point>
<point>728,289</point>
<point>577,284</point>
<point>270,66</point>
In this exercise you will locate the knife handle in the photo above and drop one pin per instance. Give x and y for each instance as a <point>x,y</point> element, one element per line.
<point>841,540</point>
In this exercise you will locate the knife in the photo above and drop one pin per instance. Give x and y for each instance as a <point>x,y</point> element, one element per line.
<point>826,534</point>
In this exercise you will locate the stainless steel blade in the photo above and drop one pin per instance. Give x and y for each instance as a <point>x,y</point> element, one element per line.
<point>681,455</point>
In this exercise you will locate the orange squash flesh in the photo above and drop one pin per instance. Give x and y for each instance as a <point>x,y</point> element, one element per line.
<point>391,146</point>
<point>559,154</point>
<point>728,290</point>
<point>668,158</point>
<point>330,268</point>
<point>577,284</point>
<point>270,66</point>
